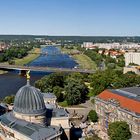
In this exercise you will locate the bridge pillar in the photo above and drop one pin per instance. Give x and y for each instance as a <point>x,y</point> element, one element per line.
<point>22,72</point>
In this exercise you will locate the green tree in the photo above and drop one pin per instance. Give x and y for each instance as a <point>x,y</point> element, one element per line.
<point>76,91</point>
<point>92,116</point>
<point>11,62</point>
<point>58,91</point>
<point>101,81</point>
<point>111,65</point>
<point>9,99</point>
<point>47,83</point>
<point>119,131</point>
<point>121,61</point>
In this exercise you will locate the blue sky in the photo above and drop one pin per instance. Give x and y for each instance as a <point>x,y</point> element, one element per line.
<point>70,17</point>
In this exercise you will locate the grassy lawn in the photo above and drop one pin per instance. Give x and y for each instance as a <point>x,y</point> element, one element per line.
<point>84,61</point>
<point>64,50</point>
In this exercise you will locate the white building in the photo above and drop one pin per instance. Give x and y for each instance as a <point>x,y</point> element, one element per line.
<point>88,45</point>
<point>117,45</point>
<point>132,57</point>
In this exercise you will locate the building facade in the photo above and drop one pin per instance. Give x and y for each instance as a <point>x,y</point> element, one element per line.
<point>135,69</point>
<point>119,105</point>
<point>29,118</point>
<point>132,57</point>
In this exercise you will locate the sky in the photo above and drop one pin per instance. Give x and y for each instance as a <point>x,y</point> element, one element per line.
<point>70,17</point>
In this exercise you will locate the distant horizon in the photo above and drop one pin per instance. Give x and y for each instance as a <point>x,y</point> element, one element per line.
<point>67,35</point>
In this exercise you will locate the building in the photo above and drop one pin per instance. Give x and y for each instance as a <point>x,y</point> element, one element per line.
<point>3,109</point>
<point>30,119</point>
<point>135,69</point>
<point>57,115</point>
<point>49,98</point>
<point>88,45</point>
<point>132,57</point>
<point>119,105</point>
<point>3,46</point>
<point>115,45</point>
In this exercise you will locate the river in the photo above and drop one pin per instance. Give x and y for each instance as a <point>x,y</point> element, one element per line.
<point>52,57</point>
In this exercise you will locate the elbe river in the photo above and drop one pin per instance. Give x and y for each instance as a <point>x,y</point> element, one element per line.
<point>11,81</point>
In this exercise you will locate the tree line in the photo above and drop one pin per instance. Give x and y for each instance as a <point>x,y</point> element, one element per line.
<point>111,79</point>
<point>17,50</point>
<point>99,59</point>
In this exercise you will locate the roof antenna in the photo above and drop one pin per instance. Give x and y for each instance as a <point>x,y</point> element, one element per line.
<point>28,77</point>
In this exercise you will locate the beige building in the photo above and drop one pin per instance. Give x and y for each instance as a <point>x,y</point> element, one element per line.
<point>135,69</point>
<point>119,105</point>
<point>132,57</point>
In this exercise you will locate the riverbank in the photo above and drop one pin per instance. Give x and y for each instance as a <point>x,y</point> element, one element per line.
<point>29,58</point>
<point>33,54</point>
<point>83,60</point>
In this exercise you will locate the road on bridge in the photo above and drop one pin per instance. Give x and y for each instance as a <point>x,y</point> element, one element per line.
<point>44,69</point>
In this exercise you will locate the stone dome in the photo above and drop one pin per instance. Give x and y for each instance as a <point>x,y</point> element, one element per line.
<point>29,101</point>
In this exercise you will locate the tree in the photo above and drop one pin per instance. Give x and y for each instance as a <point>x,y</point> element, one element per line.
<point>9,99</point>
<point>47,83</point>
<point>119,131</point>
<point>111,65</point>
<point>92,115</point>
<point>73,94</point>
<point>102,80</point>
<point>11,62</point>
<point>76,91</point>
<point>58,91</point>
<point>67,87</point>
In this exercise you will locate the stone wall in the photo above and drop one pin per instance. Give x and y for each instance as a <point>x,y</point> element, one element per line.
<point>109,112</point>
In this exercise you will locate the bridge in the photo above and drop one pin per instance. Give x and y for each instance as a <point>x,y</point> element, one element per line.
<point>55,53</point>
<point>43,69</point>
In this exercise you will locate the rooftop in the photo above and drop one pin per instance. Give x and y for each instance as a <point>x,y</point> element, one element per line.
<point>57,112</point>
<point>48,95</point>
<point>60,112</point>
<point>31,130</point>
<point>130,92</point>
<point>128,98</point>
<point>29,101</point>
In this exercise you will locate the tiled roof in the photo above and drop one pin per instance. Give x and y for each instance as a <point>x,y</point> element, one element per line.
<point>125,102</point>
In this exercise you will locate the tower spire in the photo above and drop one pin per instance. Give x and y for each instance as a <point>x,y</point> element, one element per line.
<point>28,77</point>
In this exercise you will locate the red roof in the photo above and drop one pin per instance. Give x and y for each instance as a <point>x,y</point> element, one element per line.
<point>125,102</point>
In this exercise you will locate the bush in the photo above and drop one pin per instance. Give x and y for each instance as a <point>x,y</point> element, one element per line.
<point>111,65</point>
<point>92,101</point>
<point>63,104</point>
<point>9,99</point>
<point>119,131</point>
<point>11,62</point>
<point>92,115</point>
